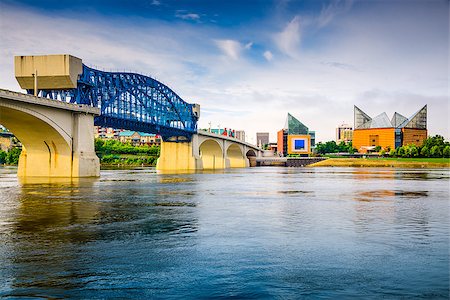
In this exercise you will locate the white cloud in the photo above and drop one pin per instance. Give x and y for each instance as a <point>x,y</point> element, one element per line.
<point>187,16</point>
<point>248,45</point>
<point>288,40</point>
<point>406,64</point>
<point>268,55</point>
<point>156,2</point>
<point>230,48</point>
<point>329,12</point>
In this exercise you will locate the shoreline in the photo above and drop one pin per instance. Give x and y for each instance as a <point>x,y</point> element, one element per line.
<point>382,162</point>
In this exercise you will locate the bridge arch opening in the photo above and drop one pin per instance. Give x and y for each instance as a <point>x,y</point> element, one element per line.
<point>45,152</point>
<point>251,156</point>
<point>235,156</point>
<point>211,154</point>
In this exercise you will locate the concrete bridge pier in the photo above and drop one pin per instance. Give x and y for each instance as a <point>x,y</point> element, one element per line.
<point>206,151</point>
<point>57,137</point>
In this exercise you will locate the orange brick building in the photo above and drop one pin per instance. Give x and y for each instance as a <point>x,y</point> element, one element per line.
<point>388,134</point>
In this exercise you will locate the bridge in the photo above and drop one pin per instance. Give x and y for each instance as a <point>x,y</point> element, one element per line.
<point>66,99</point>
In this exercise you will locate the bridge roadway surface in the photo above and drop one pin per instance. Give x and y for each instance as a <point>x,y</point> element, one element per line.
<point>58,140</point>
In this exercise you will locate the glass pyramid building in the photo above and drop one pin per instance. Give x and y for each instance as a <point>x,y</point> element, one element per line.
<point>416,121</point>
<point>294,132</point>
<point>294,126</point>
<point>389,133</point>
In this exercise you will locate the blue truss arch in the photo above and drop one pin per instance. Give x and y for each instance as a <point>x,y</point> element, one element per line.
<point>131,101</point>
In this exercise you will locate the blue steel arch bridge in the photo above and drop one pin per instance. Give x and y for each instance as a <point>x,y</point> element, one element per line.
<point>131,101</point>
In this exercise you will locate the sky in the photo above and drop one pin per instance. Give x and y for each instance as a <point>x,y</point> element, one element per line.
<point>249,63</point>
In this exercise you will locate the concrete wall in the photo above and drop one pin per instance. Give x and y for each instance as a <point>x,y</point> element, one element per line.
<point>54,71</point>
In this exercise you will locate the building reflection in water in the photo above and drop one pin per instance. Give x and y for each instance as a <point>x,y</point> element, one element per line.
<point>400,206</point>
<point>64,233</point>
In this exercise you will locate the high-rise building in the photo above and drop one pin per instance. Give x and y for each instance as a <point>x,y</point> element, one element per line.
<point>344,133</point>
<point>262,138</point>
<point>295,138</point>
<point>388,134</point>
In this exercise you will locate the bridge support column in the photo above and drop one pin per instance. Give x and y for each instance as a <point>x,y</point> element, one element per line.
<point>177,157</point>
<point>85,162</point>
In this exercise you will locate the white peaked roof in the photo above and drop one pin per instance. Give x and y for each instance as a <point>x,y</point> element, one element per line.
<point>398,119</point>
<point>361,118</point>
<point>417,120</point>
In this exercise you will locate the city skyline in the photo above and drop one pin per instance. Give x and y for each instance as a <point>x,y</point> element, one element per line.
<point>249,64</point>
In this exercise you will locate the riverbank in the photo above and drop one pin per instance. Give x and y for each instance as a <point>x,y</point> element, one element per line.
<point>385,162</point>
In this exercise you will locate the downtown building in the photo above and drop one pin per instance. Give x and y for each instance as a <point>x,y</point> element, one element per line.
<point>344,133</point>
<point>388,133</point>
<point>295,138</point>
<point>262,139</point>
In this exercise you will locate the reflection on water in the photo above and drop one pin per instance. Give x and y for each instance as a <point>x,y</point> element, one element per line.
<point>251,233</point>
<point>388,195</point>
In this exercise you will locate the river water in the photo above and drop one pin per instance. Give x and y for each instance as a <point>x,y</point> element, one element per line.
<point>263,232</point>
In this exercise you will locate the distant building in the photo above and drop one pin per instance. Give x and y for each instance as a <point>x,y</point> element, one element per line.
<point>388,134</point>
<point>295,138</point>
<point>240,135</point>
<point>6,140</point>
<point>225,132</point>
<point>262,138</point>
<point>106,132</point>
<point>139,138</point>
<point>344,133</point>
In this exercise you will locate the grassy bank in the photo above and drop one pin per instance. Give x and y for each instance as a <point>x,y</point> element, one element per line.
<point>385,162</point>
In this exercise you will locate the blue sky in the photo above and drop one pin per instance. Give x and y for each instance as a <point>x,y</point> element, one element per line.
<point>249,63</point>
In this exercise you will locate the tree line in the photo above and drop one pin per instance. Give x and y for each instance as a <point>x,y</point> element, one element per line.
<point>435,146</point>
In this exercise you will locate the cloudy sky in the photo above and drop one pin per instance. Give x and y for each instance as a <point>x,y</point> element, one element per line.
<point>249,63</point>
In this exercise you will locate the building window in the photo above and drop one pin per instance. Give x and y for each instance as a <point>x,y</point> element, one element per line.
<point>299,144</point>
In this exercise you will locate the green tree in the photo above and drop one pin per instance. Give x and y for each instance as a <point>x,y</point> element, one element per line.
<point>424,151</point>
<point>2,157</point>
<point>435,151</point>
<point>377,149</point>
<point>400,151</point>
<point>413,151</point>
<point>436,140</point>
<point>392,153</point>
<point>12,157</point>
<point>446,151</point>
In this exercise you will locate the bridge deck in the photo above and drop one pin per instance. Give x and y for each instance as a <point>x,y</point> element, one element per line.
<point>10,95</point>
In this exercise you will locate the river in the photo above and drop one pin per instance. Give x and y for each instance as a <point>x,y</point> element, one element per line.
<point>267,232</point>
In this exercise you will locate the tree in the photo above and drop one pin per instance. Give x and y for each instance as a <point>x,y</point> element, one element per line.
<point>392,153</point>
<point>436,151</point>
<point>12,157</point>
<point>424,151</point>
<point>436,140</point>
<point>413,151</point>
<point>377,149</point>
<point>2,157</point>
<point>400,151</point>
<point>446,151</point>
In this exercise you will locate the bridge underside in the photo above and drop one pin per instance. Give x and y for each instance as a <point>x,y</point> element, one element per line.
<point>56,143</point>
